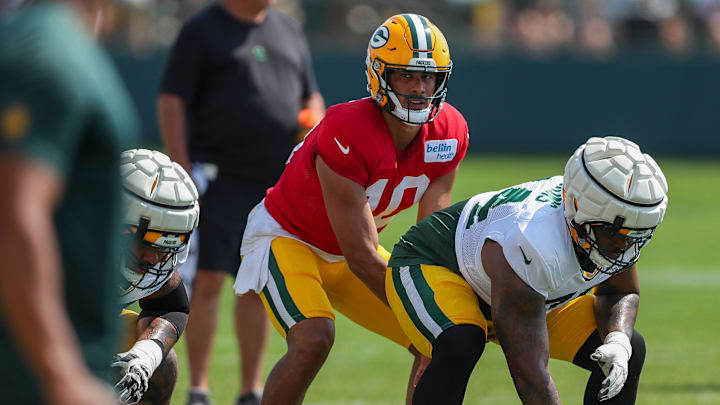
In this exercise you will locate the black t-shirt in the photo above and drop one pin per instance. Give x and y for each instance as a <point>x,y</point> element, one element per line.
<point>244,85</point>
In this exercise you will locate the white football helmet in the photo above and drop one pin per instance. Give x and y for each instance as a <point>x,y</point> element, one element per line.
<point>160,212</point>
<point>614,197</point>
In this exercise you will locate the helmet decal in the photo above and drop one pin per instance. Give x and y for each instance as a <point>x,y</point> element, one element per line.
<point>380,37</point>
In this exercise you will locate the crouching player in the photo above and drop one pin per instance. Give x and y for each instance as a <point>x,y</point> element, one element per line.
<point>161,211</point>
<point>515,266</point>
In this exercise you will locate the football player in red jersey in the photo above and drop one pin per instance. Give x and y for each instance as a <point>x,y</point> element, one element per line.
<point>312,245</point>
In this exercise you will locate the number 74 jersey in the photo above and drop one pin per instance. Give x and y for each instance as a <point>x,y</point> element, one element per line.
<point>353,140</point>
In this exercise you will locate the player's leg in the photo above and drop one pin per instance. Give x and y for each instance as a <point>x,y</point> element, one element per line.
<point>441,315</point>
<point>252,330</point>
<point>573,337</point>
<point>250,320</point>
<point>216,244</point>
<point>200,330</point>
<point>300,311</point>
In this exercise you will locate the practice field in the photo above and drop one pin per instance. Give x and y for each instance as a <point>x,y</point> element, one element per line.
<point>679,316</point>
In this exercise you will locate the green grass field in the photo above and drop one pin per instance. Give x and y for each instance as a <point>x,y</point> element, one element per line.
<point>679,316</point>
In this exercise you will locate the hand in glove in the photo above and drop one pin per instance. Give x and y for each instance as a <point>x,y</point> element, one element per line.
<point>136,367</point>
<point>135,377</point>
<point>613,357</point>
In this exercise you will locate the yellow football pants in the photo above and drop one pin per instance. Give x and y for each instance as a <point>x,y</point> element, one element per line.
<point>128,329</point>
<point>428,300</point>
<point>302,285</point>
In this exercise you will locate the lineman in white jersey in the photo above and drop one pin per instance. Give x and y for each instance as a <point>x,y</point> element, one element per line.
<point>160,212</point>
<point>514,267</point>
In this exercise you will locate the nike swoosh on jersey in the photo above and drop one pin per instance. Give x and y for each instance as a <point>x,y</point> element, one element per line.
<point>525,257</point>
<point>344,149</point>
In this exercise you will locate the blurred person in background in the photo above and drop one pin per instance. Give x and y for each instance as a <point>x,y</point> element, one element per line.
<point>160,213</point>
<point>236,80</point>
<point>311,246</point>
<point>65,117</point>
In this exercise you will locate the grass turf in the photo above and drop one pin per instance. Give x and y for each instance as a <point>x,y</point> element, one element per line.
<point>680,277</point>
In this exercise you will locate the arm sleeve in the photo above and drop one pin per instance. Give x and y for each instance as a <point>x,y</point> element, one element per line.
<point>184,64</point>
<point>335,146</point>
<point>173,307</point>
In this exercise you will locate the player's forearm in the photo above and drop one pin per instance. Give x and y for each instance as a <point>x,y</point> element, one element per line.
<point>438,196</point>
<point>526,350</point>
<point>371,269</point>
<point>521,328</point>
<point>31,295</point>
<point>532,394</point>
<point>160,330</point>
<point>616,312</point>
<point>531,378</point>
<point>173,127</point>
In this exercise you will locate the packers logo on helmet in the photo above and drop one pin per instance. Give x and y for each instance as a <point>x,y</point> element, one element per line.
<point>407,42</point>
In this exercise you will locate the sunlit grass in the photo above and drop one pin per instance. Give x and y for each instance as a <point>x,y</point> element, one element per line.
<point>680,279</point>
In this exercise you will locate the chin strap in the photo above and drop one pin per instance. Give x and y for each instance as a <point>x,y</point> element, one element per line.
<point>583,256</point>
<point>142,228</point>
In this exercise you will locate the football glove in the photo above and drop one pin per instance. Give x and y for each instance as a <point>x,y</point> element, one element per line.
<point>136,367</point>
<point>134,382</point>
<point>613,357</point>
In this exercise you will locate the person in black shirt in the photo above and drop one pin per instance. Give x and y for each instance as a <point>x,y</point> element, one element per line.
<point>236,80</point>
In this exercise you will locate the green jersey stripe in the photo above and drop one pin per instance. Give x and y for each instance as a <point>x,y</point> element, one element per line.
<point>408,305</point>
<point>428,298</point>
<point>274,310</point>
<point>282,290</point>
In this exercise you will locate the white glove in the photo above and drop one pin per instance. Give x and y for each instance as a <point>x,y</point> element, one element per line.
<point>136,367</point>
<point>613,357</point>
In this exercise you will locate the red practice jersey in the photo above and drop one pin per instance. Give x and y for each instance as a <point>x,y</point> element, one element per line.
<point>354,141</point>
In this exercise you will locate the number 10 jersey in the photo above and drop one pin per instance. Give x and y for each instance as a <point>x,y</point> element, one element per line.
<point>354,141</point>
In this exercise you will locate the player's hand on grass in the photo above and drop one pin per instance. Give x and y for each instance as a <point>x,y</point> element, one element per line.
<point>613,357</point>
